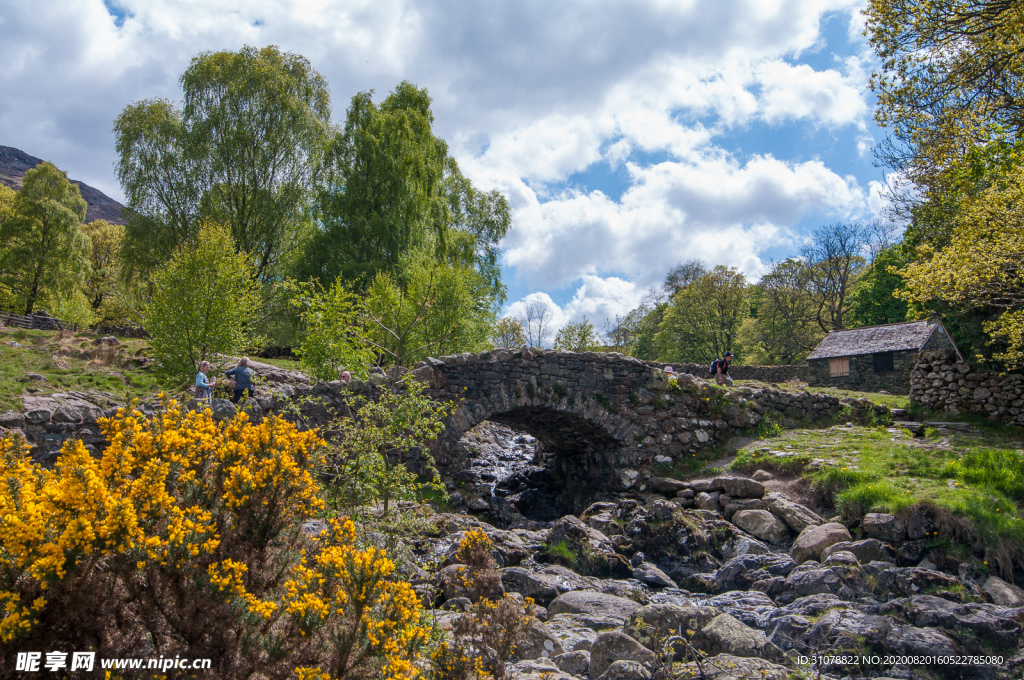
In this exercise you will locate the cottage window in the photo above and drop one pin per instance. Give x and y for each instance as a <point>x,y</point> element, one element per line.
<point>837,368</point>
<point>883,362</point>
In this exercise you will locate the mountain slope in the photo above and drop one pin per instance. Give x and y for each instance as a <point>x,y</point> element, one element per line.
<point>14,163</point>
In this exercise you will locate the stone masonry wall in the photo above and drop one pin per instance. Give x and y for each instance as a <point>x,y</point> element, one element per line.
<point>862,377</point>
<point>768,374</point>
<point>943,383</point>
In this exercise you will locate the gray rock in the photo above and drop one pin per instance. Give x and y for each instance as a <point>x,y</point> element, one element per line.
<point>573,531</point>
<point>728,667</point>
<point>538,642</point>
<point>12,420</point>
<point>727,635</point>
<point>738,504</point>
<point>813,540</point>
<point>762,524</point>
<point>574,663</point>
<point>667,619</point>
<point>884,527</point>
<point>626,670</point>
<point>593,603</point>
<point>612,646</point>
<point>666,485</point>
<point>574,631</point>
<point>1003,593</point>
<point>994,624</point>
<point>536,669</point>
<point>762,476</point>
<point>662,509</point>
<point>738,487</point>
<point>868,550</point>
<point>707,500</point>
<point>796,516</point>
<point>648,573</point>
<point>543,588</point>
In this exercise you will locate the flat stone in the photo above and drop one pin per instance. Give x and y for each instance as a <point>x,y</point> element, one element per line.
<point>590,602</point>
<point>726,634</point>
<point>884,527</point>
<point>797,517</point>
<point>762,524</point>
<point>1003,593</point>
<point>738,487</point>
<point>648,573</point>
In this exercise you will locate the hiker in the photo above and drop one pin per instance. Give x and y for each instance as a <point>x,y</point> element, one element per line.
<point>346,377</point>
<point>720,369</point>
<point>204,386</point>
<point>670,374</point>
<point>241,375</point>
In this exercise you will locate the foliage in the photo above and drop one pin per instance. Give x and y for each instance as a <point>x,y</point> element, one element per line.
<point>437,308</point>
<point>576,336</point>
<point>874,300</point>
<point>623,330</point>
<point>204,298</point>
<point>485,638</point>
<point>835,261</point>
<point>193,532</point>
<point>393,189</point>
<point>43,252</point>
<point>102,285</point>
<point>949,80</point>
<point>980,267</point>
<point>508,333</point>
<point>703,319</point>
<point>783,328</point>
<point>363,465</point>
<point>245,150</point>
<point>334,326</point>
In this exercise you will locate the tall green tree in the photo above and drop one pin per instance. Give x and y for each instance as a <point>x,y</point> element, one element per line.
<point>874,300</point>
<point>783,328</point>
<point>835,260</point>
<point>508,333</point>
<point>393,189</point>
<point>205,298</point>
<point>245,150</point>
<point>43,251</point>
<point>702,321</point>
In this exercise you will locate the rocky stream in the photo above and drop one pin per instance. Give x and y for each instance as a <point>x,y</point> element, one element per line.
<point>760,585</point>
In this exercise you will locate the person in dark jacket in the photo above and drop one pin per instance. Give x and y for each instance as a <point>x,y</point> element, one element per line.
<point>242,375</point>
<point>720,369</point>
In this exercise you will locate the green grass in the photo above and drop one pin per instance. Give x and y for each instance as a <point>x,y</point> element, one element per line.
<point>891,400</point>
<point>287,364</point>
<point>69,364</point>
<point>974,474</point>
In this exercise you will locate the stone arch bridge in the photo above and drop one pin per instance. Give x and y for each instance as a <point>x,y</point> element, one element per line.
<point>603,420</point>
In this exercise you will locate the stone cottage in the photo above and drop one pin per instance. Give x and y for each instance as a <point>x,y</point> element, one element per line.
<point>875,358</point>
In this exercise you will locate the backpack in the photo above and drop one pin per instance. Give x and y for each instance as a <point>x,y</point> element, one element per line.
<point>714,366</point>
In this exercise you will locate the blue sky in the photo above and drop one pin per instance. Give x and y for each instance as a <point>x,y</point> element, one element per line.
<point>628,137</point>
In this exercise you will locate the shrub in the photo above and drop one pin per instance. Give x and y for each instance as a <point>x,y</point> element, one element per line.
<point>484,639</point>
<point>186,537</point>
<point>204,302</point>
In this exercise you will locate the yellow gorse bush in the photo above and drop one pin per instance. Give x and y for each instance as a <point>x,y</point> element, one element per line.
<point>192,531</point>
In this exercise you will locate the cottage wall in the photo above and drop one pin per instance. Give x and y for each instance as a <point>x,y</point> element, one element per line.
<point>862,376</point>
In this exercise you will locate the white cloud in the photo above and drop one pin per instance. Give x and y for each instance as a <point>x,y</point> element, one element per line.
<point>529,94</point>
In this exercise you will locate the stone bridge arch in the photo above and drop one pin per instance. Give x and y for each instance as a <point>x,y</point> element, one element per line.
<point>599,418</point>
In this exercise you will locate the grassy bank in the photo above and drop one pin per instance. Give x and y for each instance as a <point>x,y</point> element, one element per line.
<point>974,473</point>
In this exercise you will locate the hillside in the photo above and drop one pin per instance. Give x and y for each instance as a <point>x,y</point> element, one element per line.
<point>14,163</point>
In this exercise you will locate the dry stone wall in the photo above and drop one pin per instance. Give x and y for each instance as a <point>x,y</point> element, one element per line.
<point>768,374</point>
<point>943,383</point>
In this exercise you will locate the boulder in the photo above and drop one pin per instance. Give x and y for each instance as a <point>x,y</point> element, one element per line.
<point>868,550</point>
<point>728,667</point>
<point>650,574</point>
<point>706,500</point>
<point>662,509</point>
<point>626,670</point>
<point>614,645</point>
<point>738,504</point>
<point>814,539</point>
<point>574,663</point>
<point>592,603</point>
<point>538,643</point>
<point>796,516</point>
<point>667,619</point>
<point>543,588</point>
<point>536,669</point>
<point>1003,593</point>
<point>725,634</point>
<point>995,625</point>
<point>666,485</point>
<point>738,487</point>
<point>573,531</point>
<point>762,524</point>
<point>884,527</point>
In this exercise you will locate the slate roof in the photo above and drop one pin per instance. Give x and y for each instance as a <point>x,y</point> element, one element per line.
<point>893,337</point>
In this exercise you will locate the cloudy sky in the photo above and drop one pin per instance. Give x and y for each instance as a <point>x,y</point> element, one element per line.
<point>628,136</point>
